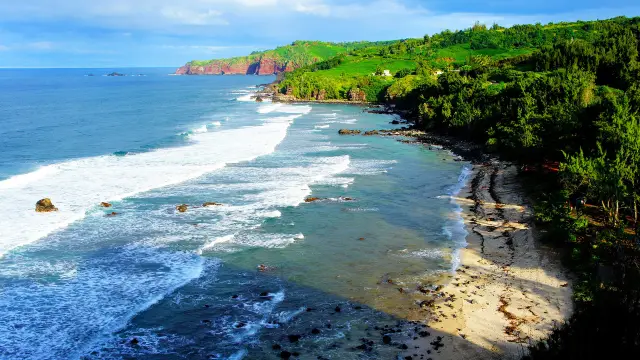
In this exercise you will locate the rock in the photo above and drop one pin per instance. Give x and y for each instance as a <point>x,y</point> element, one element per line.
<point>211,204</point>
<point>311,199</point>
<point>337,309</point>
<point>357,95</point>
<point>346,199</point>
<point>427,304</point>
<point>45,205</point>
<point>112,214</point>
<point>259,99</point>
<point>182,208</point>
<point>235,296</point>
<point>105,204</point>
<point>322,94</point>
<point>395,122</point>
<point>263,268</point>
<point>285,355</point>
<point>371,133</point>
<point>134,341</point>
<point>315,331</point>
<point>361,239</point>
<point>264,294</point>
<point>240,325</point>
<point>276,347</point>
<point>293,338</point>
<point>386,339</point>
<point>115,74</point>
<point>348,132</point>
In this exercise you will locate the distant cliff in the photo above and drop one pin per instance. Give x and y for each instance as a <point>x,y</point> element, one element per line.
<point>281,59</point>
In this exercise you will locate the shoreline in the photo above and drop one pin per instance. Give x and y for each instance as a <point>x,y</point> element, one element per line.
<point>509,291</point>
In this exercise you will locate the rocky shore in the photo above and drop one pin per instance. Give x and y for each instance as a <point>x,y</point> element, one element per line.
<point>509,290</point>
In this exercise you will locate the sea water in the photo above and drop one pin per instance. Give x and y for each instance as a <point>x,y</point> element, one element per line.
<point>154,283</point>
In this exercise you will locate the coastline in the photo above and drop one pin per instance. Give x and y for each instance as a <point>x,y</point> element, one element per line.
<point>509,291</point>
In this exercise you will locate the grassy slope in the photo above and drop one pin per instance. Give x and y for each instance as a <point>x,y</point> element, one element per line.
<point>366,59</point>
<point>300,53</point>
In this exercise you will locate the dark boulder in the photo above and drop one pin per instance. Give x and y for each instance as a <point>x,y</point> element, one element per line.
<point>182,208</point>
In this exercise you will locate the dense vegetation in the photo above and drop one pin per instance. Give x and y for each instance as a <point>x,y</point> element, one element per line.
<point>299,53</point>
<point>565,94</point>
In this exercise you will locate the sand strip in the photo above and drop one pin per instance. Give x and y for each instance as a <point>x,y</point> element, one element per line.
<point>509,291</point>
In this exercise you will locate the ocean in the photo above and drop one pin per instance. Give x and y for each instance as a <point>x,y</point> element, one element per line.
<point>151,282</point>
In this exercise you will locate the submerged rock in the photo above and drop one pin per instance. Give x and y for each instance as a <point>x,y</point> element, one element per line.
<point>211,204</point>
<point>182,208</point>
<point>112,214</point>
<point>348,132</point>
<point>259,99</point>
<point>371,133</point>
<point>45,205</point>
<point>293,338</point>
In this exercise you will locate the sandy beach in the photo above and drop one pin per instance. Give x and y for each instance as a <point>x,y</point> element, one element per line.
<point>509,290</point>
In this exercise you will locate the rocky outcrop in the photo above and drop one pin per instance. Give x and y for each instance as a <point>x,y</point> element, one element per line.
<point>258,66</point>
<point>182,208</point>
<point>319,94</point>
<point>348,132</point>
<point>105,204</point>
<point>357,95</point>
<point>45,205</point>
<point>211,204</point>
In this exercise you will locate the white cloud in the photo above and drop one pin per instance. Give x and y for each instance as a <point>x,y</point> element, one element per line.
<point>41,45</point>
<point>193,17</point>
<point>315,9</point>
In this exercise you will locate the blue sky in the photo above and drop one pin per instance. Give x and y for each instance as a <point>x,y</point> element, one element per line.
<point>122,33</point>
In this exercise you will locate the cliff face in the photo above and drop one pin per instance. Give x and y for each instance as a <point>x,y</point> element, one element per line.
<point>262,66</point>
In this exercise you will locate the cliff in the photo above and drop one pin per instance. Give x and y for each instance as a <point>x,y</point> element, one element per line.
<point>259,66</point>
<point>281,59</point>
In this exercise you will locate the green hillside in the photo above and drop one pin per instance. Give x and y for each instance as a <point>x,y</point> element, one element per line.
<point>299,53</point>
<point>562,101</point>
<point>446,51</point>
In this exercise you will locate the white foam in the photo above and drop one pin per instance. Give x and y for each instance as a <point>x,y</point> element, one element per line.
<point>246,98</point>
<point>201,129</point>
<point>284,108</point>
<point>216,123</point>
<point>455,228</point>
<point>321,127</point>
<point>214,242</point>
<point>370,167</point>
<point>79,185</point>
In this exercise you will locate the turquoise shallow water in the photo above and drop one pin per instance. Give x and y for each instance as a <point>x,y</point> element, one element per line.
<point>79,284</point>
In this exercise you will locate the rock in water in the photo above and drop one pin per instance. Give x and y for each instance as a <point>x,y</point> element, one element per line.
<point>348,132</point>
<point>182,208</point>
<point>211,204</point>
<point>45,205</point>
<point>259,99</point>
<point>311,199</point>
<point>105,204</point>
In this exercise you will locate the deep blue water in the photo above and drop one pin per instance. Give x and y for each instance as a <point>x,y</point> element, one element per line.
<point>80,284</point>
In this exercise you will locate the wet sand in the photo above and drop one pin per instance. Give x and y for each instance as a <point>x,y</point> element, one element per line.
<point>509,291</point>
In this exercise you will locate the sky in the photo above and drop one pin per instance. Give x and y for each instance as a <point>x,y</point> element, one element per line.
<point>159,33</point>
